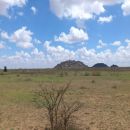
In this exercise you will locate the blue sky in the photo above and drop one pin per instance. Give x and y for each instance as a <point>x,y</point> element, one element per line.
<point>42,33</point>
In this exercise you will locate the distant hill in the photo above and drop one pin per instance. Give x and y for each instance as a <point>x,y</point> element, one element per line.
<point>114,66</point>
<point>71,64</point>
<point>100,65</point>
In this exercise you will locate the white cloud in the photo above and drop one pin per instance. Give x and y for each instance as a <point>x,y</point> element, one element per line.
<point>4,35</point>
<point>36,41</point>
<point>101,44</point>
<point>5,5</point>
<point>80,24</point>
<point>111,2</point>
<point>126,7</point>
<point>2,46</point>
<point>127,41</point>
<point>116,43</point>
<point>76,9</point>
<point>105,19</point>
<point>86,9</point>
<point>20,13</point>
<point>23,55</point>
<point>58,53</point>
<point>22,59</point>
<point>34,10</point>
<point>21,37</point>
<point>51,55</point>
<point>75,35</point>
<point>37,54</point>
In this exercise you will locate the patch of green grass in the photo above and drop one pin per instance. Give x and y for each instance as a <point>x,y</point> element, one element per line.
<point>15,96</point>
<point>30,78</point>
<point>48,78</point>
<point>18,87</point>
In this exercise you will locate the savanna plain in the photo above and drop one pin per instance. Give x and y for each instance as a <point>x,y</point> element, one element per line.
<point>105,95</point>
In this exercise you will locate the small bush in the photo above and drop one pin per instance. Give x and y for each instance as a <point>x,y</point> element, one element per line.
<point>96,73</point>
<point>18,75</point>
<point>93,81</point>
<point>83,87</point>
<point>60,113</point>
<point>114,87</point>
<point>86,74</point>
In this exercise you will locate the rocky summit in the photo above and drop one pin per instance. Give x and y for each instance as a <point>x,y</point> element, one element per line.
<point>71,64</point>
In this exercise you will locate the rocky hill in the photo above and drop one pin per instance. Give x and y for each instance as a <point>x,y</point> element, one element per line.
<point>71,64</point>
<point>114,66</point>
<point>100,65</point>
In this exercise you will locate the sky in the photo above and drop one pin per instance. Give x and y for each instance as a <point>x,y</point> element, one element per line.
<point>42,33</point>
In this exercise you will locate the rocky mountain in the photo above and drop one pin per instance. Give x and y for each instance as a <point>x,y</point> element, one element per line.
<point>100,65</point>
<point>71,64</point>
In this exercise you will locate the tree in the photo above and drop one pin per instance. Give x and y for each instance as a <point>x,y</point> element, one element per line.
<point>5,69</point>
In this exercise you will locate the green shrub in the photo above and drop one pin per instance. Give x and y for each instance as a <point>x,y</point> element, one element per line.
<point>86,74</point>
<point>96,73</point>
<point>114,87</point>
<point>93,81</point>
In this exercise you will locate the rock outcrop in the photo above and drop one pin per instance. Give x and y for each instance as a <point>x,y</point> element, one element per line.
<point>71,64</point>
